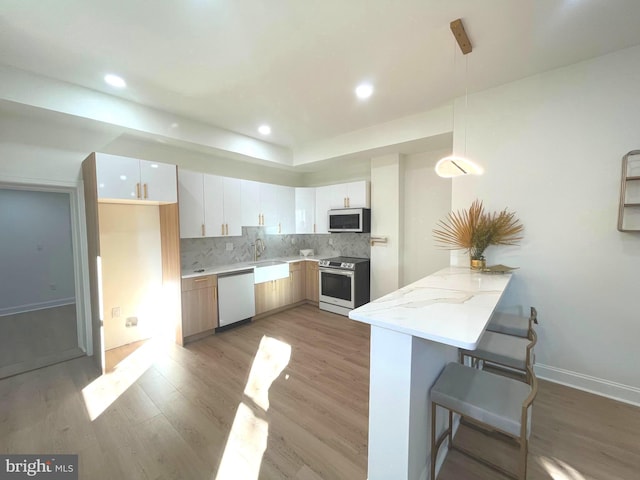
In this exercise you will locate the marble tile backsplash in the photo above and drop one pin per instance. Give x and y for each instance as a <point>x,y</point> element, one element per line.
<point>210,252</point>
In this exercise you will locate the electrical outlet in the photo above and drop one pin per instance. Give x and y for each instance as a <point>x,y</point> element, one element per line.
<point>115,312</point>
<point>53,286</point>
<point>131,322</point>
<point>229,247</point>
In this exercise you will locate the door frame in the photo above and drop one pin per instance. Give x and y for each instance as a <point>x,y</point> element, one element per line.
<point>75,190</point>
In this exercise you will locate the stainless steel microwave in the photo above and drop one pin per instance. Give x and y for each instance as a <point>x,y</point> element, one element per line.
<point>350,220</point>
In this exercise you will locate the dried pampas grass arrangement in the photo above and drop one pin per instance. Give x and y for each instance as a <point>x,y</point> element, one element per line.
<point>474,230</point>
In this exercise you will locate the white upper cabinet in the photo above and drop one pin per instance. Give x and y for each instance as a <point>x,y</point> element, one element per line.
<point>358,194</point>
<point>286,205</point>
<point>277,203</point>
<point>191,188</point>
<point>325,201</point>
<point>250,192</point>
<point>222,205</point>
<point>118,177</point>
<point>305,213</point>
<point>346,195</point>
<point>210,205</point>
<point>158,182</point>
<point>129,179</point>
<point>232,200</point>
<point>331,196</point>
<point>343,195</point>
<point>267,205</point>
<point>213,206</point>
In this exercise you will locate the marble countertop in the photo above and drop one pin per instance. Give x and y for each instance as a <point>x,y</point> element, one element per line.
<point>234,267</point>
<point>451,306</point>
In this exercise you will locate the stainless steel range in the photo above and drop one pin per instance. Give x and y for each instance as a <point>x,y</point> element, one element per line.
<point>344,284</point>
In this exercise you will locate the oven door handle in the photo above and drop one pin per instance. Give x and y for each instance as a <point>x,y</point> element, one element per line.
<point>337,272</point>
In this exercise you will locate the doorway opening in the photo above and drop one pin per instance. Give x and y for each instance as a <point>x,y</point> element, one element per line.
<point>41,304</point>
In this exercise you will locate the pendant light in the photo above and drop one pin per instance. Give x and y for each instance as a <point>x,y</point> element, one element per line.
<point>453,165</point>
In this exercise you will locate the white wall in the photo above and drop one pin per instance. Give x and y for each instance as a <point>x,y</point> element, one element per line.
<point>202,162</point>
<point>32,147</point>
<point>36,256</point>
<point>552,146</point>
<point>386,221</point>
<point>427,199</point>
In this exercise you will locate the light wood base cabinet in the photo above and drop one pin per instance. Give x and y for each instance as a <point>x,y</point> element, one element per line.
<point>302,285</point>
<point>272,295</point>
<point>297,279</point>
<point>312,292</point>
<point>199,305</point>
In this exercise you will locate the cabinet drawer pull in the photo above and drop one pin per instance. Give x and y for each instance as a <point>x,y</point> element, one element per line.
<point>146,191</point>
<point>138,190</point>
<point>226,229</point>
<point>203,229</point>
<point>314,228</point>
<point>222,228</point>
<point>200,279</point>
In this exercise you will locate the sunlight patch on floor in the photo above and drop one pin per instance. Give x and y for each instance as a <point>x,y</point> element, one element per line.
<point>246,445</point>
<point>270,360</point>
<point>559,470</point>
<point>106,389</point>
<point>247,440</point>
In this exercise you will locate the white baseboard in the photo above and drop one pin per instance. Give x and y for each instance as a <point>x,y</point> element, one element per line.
<point>31,307</point>
<point>599,386</point>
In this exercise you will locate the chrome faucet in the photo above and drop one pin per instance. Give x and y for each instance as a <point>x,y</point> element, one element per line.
<point>258,249</point>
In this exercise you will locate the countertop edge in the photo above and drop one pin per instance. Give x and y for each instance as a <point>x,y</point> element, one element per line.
<point>419,334</point>
<point>234,267</point>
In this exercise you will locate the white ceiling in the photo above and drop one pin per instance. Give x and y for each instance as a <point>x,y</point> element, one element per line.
<point>294,64</point>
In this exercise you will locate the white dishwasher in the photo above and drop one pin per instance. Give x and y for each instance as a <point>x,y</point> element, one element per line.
<point>236,297</point>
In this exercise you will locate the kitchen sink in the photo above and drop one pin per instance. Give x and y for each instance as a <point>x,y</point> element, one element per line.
<point>268,270</point>
<point>267,263</point>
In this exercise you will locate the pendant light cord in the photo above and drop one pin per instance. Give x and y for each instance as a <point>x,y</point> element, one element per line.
<point>466,101</point>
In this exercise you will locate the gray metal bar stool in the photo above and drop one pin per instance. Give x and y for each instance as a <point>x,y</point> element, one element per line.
<point>496,402</point>
<point>507,352</point>
<point>511,324</point>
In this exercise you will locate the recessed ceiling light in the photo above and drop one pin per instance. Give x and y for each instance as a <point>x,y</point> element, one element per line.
<point>264,129</point>
<point>364,90</point>
<point>115,80</point>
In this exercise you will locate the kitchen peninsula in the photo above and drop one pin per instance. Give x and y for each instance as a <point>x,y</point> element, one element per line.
<point>415,332</point>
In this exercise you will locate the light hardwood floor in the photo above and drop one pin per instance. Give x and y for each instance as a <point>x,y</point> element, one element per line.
<point>35,339</point>
<point>199,409</point>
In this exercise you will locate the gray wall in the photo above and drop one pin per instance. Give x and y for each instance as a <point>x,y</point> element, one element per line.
<point>36,256</point>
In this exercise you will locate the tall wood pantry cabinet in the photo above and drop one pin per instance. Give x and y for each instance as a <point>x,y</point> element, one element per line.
<point>112,182</point>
